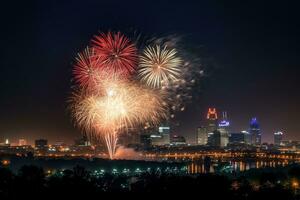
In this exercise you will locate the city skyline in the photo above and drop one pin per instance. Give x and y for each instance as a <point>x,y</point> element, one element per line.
<point>221,119</point>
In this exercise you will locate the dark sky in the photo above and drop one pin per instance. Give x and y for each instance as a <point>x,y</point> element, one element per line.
<point>254,47</point>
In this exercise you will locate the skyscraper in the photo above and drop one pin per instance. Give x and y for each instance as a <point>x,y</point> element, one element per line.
<point>223,128</point>
<point>212,118</point>
<point>255,132</point>
<point>247,137</point>
<point>224,137</point>
<point>215,139</point>
<point>278,138</point>
<point>162,137</point>
<point>164,130</point>
<point>178,140</point>
<point>202,135</point>
<point>237,138</point>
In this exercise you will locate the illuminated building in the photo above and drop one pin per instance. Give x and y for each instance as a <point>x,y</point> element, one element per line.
<point>202,135</point>
<point>237,138</point>
<point>247,137</point>
<point>178,140</point>
<point>223,128</point>
<point>7,142</point>
<point>159,140</point>
<point>212,114</point>
<point>210,139</point>
<point>164,130</point>
<point>215,139</point>
<point>278,138</point>
<point>290,144</point>
<point>255,132</point>
<point>162,137</point>
<point>212,118</point>
<point>22,142</point>
<point>224,137</point>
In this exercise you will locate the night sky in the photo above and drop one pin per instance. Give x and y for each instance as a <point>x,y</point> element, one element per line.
<point>253,49</point>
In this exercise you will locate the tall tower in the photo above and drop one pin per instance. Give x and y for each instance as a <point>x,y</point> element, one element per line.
<point>223,128</point>
<point>202,135</point>
<point>278,138</point>
<point>212,118</point>
<point>255,132</point>
<point>211,126</point>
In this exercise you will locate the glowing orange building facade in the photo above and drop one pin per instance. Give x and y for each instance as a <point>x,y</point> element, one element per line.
<point>212,114</point>
<point>212,117</point>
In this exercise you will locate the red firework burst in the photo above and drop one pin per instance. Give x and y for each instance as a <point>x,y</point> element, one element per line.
<point>116,53</point>
<point>86,67</point>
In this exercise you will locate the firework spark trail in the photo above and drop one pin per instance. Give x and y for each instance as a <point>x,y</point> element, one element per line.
<point>115,107</point>
<point>86,67</point>
<point>110,100</point>
<point>116,53</point>
<point>159,65</point>
<point>111,140</point>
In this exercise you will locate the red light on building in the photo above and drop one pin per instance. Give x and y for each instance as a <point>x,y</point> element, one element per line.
<point>212,114</point>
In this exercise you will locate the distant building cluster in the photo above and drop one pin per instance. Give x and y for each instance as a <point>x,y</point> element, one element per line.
<point>214,133</point>
<point>41,147</point>
<point>160,137</point>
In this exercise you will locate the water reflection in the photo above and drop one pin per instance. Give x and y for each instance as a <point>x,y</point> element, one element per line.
<point>198,167</point>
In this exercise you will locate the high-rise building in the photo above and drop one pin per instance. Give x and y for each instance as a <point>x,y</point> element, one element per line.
<point>223,128</point>
<point>164,131</point>
<point>212,118</point>
<point>278,138</point>
<point>247,137</point>
<point>159,140</point>
<point>162,137</point>
<point>224,137</point>
<point>22,142</point>
<point>210,139</point>
<point>215,139</point>
<point>145,139</point>
<point>237,138</point>
<point>202,135</point>
<point>178,140</point>
<point>255,132</point>
<point>224,123</point>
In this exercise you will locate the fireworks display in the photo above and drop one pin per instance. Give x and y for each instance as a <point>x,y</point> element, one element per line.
<point>159,66</point>
<point>109,100</point>
<point>116,53</point>
<point>85,68</point>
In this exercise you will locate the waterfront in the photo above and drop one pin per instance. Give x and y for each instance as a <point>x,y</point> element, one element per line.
<point>199,167</point>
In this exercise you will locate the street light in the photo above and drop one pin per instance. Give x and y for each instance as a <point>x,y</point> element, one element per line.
<point>295,185</point>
